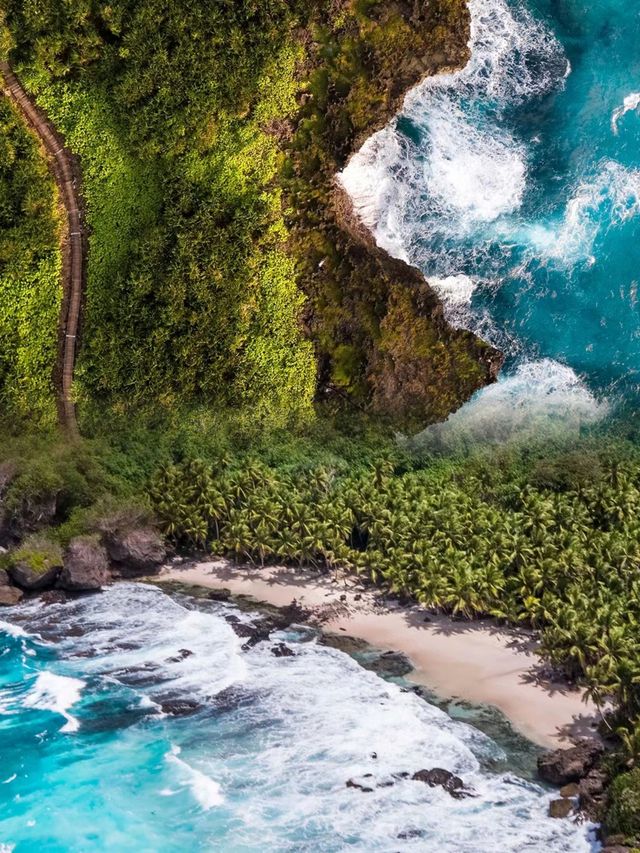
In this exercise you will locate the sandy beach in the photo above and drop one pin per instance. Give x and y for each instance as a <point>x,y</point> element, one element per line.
<point>475,661</point>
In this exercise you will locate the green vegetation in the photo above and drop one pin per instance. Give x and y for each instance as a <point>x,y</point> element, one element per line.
<point>209,139</point>
<point>30,264</point>
<point>541,537</point>
<point>38,554</point>
<point>623,816</point>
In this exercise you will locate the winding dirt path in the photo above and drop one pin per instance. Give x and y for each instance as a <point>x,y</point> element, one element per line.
<point>73,243</point>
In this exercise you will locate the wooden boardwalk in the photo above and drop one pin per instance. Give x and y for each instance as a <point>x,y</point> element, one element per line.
<point>73,246</point>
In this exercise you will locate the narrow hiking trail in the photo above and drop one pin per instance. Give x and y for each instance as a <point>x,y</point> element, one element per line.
<point>73,244</point>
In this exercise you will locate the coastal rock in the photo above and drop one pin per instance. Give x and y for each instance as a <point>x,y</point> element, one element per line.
<point>140,551</point>
<point>28,576</point>
<point>282,651</point>
<point>10,595</point>
<point>179,707</point>
<point>392,665</point>
<point>571,790</point>
<point>593,783</point>
<point>438,777</point>
<point>85,565</point>
<point>569,765</point>
<point>560,808</point>
<point>53,596</point>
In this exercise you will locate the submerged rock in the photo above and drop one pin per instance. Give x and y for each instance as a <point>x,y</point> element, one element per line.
<point>351,783</point>
<point>569,765</point>
<point>139,551</point>
<point>390,665</point>
<point>85,565</point>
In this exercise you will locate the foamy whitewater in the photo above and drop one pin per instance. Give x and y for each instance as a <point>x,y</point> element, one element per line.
<point>514,185</point>
<point>251,752</point>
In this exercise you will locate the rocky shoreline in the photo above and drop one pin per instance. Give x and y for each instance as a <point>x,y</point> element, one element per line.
<point>135,554</point>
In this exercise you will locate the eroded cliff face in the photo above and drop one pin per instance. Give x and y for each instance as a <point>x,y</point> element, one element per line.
<point>380,334</point>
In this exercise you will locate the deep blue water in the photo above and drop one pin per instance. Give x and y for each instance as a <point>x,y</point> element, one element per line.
<point>515,186</point>
<point>91,762</point>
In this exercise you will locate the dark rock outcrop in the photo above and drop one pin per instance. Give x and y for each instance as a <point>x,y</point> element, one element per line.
<point>139,551</point>
<point>438,777</point>
<point>282,651</point>
<point>54,596</point>
<point>569,765</point>
<point>222,594</point>
<point>85,565</point>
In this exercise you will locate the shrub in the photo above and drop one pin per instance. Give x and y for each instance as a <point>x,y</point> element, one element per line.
<point>623,815</point>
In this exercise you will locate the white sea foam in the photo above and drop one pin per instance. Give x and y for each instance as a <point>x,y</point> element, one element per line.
<point>612,189</point>
<point>631,102</point>
<point>540,398</point>
<point>471,167</point>
<point>56,693</point>
<point>454,289</point>
<point>268,772</point>
<point>477,173</point>
<point>12,630</point>
<point>206,791</point>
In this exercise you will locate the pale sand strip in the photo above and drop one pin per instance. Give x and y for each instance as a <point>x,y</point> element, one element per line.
<point>478,662</point>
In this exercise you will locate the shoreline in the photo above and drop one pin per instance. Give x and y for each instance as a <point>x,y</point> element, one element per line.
<point>478,662</point>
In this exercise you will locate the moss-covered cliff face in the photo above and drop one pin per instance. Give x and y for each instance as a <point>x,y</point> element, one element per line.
<point>210,136</point>
<point>379,329</point>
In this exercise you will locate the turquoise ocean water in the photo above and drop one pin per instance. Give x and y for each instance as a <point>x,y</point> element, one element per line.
<point>514,185</point>
<point>131,721</point>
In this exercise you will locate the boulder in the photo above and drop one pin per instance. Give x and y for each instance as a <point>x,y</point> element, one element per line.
<point>139,551</point>
<point>571,790</point>
<point>569,765</point>
<point>560,808</point>
<point>4,578</point>
<point>10,595</point>
<point>85,565</point>
<point>437,777</point>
